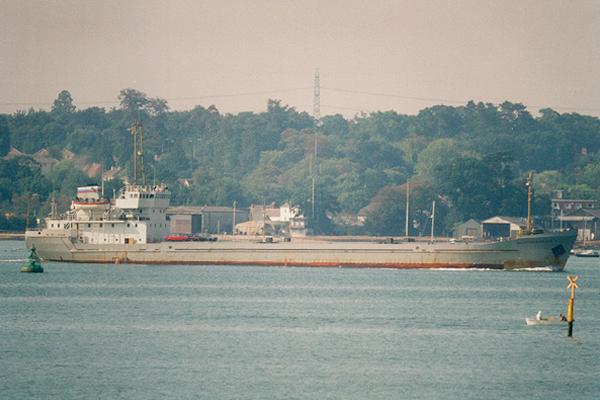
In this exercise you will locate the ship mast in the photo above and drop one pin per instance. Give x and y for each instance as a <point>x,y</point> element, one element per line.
<point>138,151</point>
<point>432,220</point>
<point>141,155</point>
<point>529,185</point>
<point>102,178</point>
<point>53,212</point>
<point>407,204</point>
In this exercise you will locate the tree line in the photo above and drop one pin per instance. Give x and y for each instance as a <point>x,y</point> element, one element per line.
<point>472,160</point>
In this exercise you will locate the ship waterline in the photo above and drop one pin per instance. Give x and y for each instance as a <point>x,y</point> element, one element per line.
<point>528,251</point>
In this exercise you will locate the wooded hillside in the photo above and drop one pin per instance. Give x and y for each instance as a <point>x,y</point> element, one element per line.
<point>471,159</point>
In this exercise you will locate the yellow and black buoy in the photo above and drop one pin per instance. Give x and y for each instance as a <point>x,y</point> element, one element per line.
<point>572,285</point>
<point>33,265</point>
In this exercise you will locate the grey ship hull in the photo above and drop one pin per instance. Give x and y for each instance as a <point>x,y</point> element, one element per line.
<point>549,249</point>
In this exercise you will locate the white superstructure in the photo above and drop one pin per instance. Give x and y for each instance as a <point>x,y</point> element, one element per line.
<point>138,214</point>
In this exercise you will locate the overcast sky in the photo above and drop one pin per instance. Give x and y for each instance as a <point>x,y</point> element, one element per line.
<point>371,54</point>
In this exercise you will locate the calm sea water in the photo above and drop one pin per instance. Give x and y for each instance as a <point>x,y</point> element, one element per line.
<point>212,332</point>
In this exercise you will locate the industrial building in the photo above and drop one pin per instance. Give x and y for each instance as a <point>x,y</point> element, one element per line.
<point>206,219</point>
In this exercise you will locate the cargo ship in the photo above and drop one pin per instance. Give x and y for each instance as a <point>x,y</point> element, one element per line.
<point>134,227</point>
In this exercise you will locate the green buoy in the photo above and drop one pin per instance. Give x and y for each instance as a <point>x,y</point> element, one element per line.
<point>33,265</point>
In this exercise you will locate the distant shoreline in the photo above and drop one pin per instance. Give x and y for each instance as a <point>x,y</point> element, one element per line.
<point>12,236</point>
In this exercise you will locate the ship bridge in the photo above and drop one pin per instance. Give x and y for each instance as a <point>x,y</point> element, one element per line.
<point>137,197</point>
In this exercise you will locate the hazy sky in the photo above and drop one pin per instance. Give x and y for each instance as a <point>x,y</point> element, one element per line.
<point>372,55</point>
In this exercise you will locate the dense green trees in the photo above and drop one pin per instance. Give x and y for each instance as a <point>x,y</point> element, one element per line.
<point>4,136</point>
<point>386,214</point>
<point>63,103</point>
<point>477,186</point>
<point>23,192</point>
<point>471,159</point>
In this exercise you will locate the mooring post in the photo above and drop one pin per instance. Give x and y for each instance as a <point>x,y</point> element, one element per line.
<point>572,285</point>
